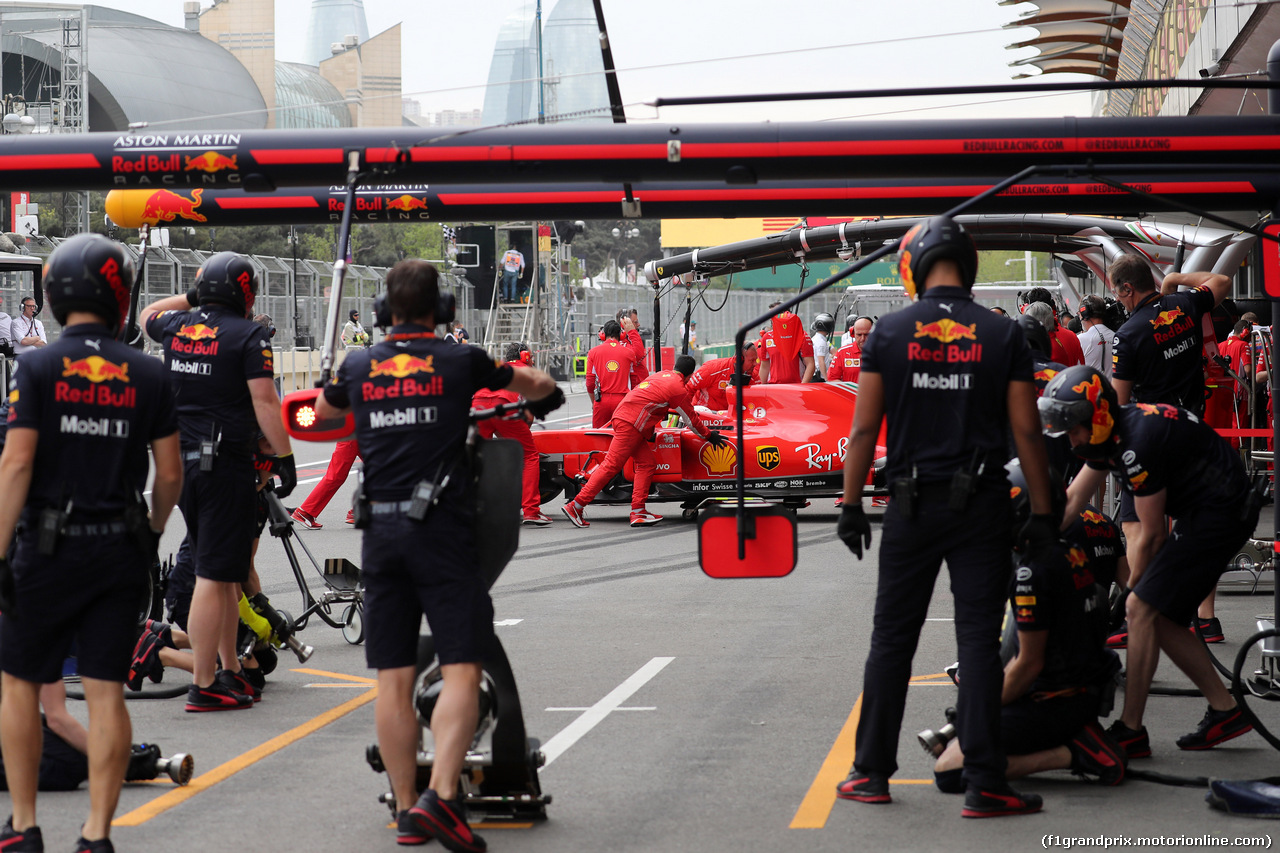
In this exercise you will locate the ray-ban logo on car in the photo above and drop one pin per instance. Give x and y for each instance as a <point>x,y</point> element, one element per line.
<point>768,457</point>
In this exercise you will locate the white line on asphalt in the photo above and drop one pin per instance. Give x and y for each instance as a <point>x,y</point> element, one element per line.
<point>590,718</point>
<point>505,622</point>
<point>637,708</point>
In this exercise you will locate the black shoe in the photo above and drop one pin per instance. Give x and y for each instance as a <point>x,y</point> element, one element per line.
<point>1135,743</point>
<point>407,830</point>
<point>1119,638</point>
<point>1210,629</point>
<point>28,841</point>
<point>446,822</point>
<point>949,781</point>
<point>84,845</point>
<point>865,788</point>
<point>256,677</point>
<point>999,802</point>
<point>216,697</point>
<point>1096,756</point>
<point>164,631</point>
<point>1216,727</point>
<point>237,683</point>
<point>146,654</point>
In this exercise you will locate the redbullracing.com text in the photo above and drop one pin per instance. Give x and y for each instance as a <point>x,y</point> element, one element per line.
<point>1108,842</point>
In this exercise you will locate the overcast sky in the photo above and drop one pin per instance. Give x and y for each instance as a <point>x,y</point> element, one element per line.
<point>661,48</point>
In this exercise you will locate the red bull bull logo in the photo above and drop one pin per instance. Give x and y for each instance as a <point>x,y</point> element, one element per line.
<point>407,203</point>
<point>1076,558</point>
<point>210,162</point>
<point>1166,318</point>
<point>1102,422</point>
<point>97,370</point>
<point>1091,517</point>
<point>198,332</point>
<point>166,206</point>
<point>400,366</point>
<point>946,330</point>
<point>1043,376</point>
<point>197,339</point>
<point>1023,613</point>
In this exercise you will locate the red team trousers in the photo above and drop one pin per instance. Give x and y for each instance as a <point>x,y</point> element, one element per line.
<point>627,444</point>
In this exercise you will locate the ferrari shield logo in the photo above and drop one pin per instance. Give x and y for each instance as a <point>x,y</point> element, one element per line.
<point>768,458</point>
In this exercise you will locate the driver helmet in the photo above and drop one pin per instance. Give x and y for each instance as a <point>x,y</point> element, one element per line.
<point>824,323</point>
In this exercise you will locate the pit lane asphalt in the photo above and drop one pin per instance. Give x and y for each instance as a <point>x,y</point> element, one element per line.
<point>717,751</point>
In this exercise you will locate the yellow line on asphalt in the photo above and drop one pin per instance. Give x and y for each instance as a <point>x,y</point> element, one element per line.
<point>358,679</point>
<point>222,772</point>
<point>815,808</point>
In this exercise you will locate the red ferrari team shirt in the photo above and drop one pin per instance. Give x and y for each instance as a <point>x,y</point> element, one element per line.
<point>610,366</point>
<point>846,364</point>
<point>709,383</point>
<point>1066,347</point>
<point>785,348</point>
<point>650,401</point>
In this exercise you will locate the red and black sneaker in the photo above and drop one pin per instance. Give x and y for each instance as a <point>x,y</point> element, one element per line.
<point>999,802</point>
<point>1210,629</point>
<point>216,697</point>
<point>446,822</point>
<point>865,788</point>
<point>238,683</point>
<point>1119,638</point>
<point>28,841</point>
<point>1096,756</point>
<point>408,832</point>
<point>164,631</point>
<point>1134,742</point>
<point>1216,727</point>
<point>146,656</point>
<point>98,845</point>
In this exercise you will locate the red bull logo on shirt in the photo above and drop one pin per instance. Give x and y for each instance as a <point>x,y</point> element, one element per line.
<point>1091,517</point>
<point>97,370</point>
<point>955,336</point>
<point>196,339</point>
<point>403,368</point>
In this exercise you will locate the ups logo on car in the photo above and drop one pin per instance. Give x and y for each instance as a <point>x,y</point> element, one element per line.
<point>768,457</point>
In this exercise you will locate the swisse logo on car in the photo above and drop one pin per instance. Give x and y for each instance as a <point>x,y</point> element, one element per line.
<point>107,427</point>
<point>932,382</point>
<point>403,417</point>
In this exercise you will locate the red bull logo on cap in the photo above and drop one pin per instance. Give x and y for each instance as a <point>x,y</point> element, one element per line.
<point>210,162</point>
<point>166,206</point>
<point>97,370</point>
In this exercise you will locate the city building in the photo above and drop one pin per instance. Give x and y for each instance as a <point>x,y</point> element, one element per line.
<point>330,22</point>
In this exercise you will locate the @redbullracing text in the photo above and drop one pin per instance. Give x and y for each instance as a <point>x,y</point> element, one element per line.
<point>1107,842</point>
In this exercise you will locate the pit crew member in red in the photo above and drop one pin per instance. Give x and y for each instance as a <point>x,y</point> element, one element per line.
<point>788,352</point>
<point>710,383</point>
<point>220,362</point>
<point>410,396</point>
<point>82,413</point>
<point>954,380</point>
<point>610,373</point>
<point>516,428</point>
<point>1157,350</point>
<point>1174,464</point>
<point>633,424</point>
<point>847,362</point>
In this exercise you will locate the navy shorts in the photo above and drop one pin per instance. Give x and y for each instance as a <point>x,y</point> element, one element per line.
<point>218,507</point>
<point>412,569</point>
<point>1028,726</point>
<point>1187,567</point>
<point>1127,512</point>
<point>89,592</point>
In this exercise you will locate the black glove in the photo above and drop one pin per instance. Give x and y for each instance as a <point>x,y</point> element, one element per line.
<point>854,530</point>
<point>548,404</point>
<point>1037,536</point>
<point>715,439</point>
<point>283,467</point>
<point>7,592</point>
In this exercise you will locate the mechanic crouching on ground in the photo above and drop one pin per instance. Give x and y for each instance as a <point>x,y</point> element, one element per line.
<point>633,424</point>
<point>1173,464</point>
<point>82,414</point>
<point>418,552</point>
<point>953,379</point>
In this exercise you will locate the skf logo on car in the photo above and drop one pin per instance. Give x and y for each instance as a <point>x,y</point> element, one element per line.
<point>400,366</point>
<point>210,162</point>
<point>611,366</point>
<point>104,427</point>
<point>403,417</point>
<point>946,330</point>
<point>1102,420</point>
<point>166,206</point>
<point>1091,517</point>
<point>768,457</point>
<point>718,460</point>
<point>96,369</point>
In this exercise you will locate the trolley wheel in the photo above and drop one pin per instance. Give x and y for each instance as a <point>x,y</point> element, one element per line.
<point>353,624</point>
<point>689,514</point>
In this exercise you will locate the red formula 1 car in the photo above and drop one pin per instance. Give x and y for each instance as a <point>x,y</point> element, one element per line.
<point>795,438</point>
